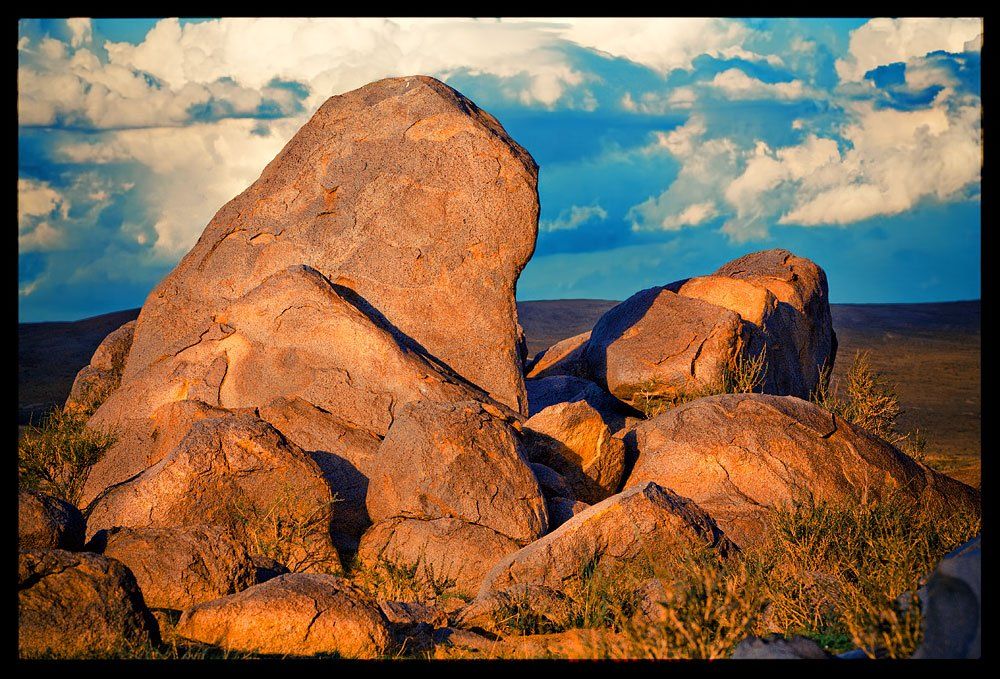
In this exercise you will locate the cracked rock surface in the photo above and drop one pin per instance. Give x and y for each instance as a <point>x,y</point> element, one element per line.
<point>459,461</point>
<point>403,192</point>
<point>293,614</point>
<point>740,455</point>
<point>232,469</point>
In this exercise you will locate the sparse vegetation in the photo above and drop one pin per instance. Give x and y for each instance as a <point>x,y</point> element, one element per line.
<point>845,576</point>
<point>394,582</point>
<point>870,402</point>
<point>55,456</point>
<point>290,530</point>
<point>744,374</point>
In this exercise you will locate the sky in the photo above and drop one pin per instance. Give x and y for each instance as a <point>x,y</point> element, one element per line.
<point>666,146</point>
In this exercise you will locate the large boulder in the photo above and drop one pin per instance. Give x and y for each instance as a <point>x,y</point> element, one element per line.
<point>137,448</point>
<point>741,455</point>
<point>658,345</point>
<point>573,439</point>
<point>177,568</point>
<point>408,198</point>
<point>295,335</point>
<point>952,605</point>
<point>565,357</point>
<point>459,460</point>
<point>104,373</point>
<point>645,526</point>
<point>235,470</point>
<point>444,552</point>
<point>800,331</point>
<point>294,614</point>
<point>46,522</point>
<point>75,604</point>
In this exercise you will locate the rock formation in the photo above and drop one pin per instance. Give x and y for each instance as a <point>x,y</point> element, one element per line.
<point>740,455</point>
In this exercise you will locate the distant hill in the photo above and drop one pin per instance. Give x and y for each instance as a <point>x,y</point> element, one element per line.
<point>930,351</point>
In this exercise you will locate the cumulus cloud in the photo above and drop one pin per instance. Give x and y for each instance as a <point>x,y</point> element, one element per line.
<point>882,161</point>
<point>38,199</point>
<point>897,159</point>
<point>573,217</point>
<point>661,43</point>
<point>195,170</point>
<point>886,41</point>
<point>80,31</point>
<point>736,84</point>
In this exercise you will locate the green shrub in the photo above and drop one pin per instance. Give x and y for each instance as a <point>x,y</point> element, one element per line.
<point>56,456</point>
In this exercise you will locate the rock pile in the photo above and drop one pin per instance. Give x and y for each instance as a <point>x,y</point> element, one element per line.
<point>330,383</point>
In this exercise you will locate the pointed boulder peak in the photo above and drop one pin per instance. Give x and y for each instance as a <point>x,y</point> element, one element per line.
<point>403,193</point>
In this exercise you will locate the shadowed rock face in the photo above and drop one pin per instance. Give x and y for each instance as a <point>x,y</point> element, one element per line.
<point>46,522</point>
<point>73,604</point>
<point>740,455</point>
<point>294,614</point>
<point>660,344</point>
<point>344,453</point>
<point>645,526</point>
<point>404,193</point>
<point>952,605</point>
<point>177,568</point>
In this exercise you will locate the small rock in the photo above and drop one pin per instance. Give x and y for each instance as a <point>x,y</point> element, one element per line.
<point>776,648</point>
<point>46,522</point>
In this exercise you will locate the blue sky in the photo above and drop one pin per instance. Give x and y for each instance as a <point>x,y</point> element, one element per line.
<point>666,147</point>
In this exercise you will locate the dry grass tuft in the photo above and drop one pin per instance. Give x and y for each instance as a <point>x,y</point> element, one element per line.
<point>743,375</point>
<point>836,573</point>
<point>56,456</point>
<point>290,530</point>
<point>388,581</point>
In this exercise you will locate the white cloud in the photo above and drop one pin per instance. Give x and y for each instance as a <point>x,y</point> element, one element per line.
<point>898,159</point>
<point>80,31</point>
<point>197,169</point>
<point>738,85</point>
<point>38,199</point>
<point>886,41</point>
<point>42,237</point>
<point>663,44</point>
<point>890,161</point>
<point>707,166</point>
<point>680,99</point>
<point>692,215</point>
<point>573,217</point>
